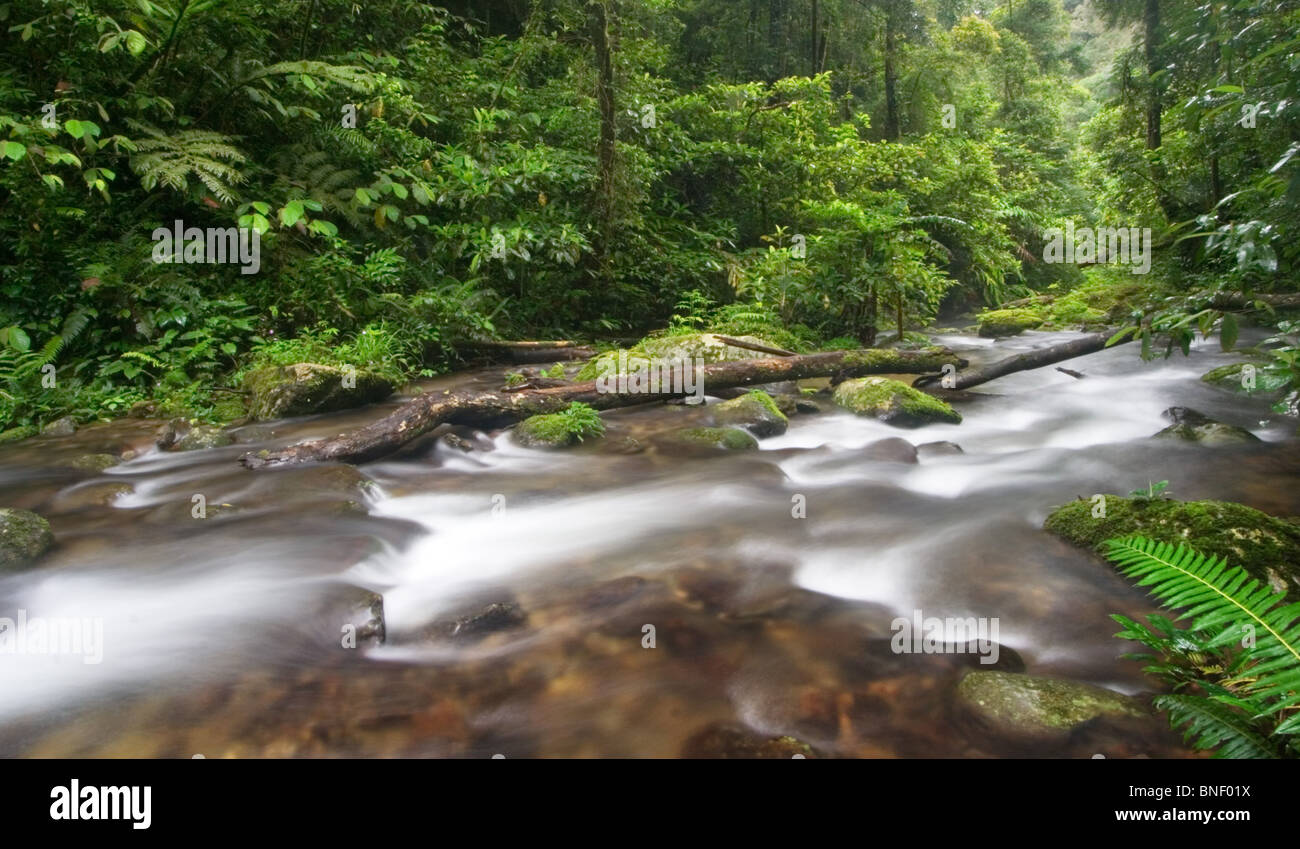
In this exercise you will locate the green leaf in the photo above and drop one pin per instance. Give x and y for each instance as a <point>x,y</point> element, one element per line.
<point>12,150</point>
<point>1228,332</point>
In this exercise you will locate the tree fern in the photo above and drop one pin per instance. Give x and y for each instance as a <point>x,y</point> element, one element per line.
<point>1244,639</point>
<point>170,159</point>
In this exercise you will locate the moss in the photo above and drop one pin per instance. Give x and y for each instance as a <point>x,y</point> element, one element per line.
<point>724,438</point>
<point>558,430</point>
<point>1010,322</point>
<point>306,388</point>
<point>24,536</point>
<point>1268,548</point>
<point>893,402</point>
<point>1030,705</point>
<point>94,462</point>
<point>14,434</point>
<point>755,411</point>
<point>690,346</point>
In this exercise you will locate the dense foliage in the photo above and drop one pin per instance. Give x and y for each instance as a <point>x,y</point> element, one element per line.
<point>424,176</point>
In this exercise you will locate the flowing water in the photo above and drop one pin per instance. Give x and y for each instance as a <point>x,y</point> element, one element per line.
<point>222,636</point>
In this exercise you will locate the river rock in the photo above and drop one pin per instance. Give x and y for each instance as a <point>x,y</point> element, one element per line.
<point>1192,426</point>
<point>755,411</point>
<point>938,449</point>
<point>704,347</point>
<point>893,402</point>
<point>1268,548</point>
<point>890,450</point>
<point>476,623</point>
<point>305,388</point>
<point>24,536</point>
<point>728,740</point>
<point>94,463</point>
<point>1018,705</point>
<point>997,323</point>
<point>14,434</point>
<point>65,426</point>
<point>709,439</point>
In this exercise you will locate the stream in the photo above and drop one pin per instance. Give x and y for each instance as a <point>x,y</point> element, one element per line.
<point>518,584</point>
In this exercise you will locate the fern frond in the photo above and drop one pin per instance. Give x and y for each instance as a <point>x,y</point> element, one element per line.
<point>1226,601</point>
<point>170,159</point>
<point>1214,726</point>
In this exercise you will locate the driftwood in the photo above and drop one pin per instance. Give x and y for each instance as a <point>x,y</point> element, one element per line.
<point>1038,358</point>
<point>495,409</point>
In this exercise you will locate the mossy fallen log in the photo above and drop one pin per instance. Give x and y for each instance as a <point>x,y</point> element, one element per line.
<point>496,409</point>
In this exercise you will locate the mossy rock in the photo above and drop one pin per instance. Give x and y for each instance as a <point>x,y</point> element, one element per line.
<point>1192,426</point>
<point>305,388</point>
<point>711,439</point>
<point>1268,548</point>
<point>65,426</point>
<point>755,411</point>
<point>1009,322</point>
<point>24,536</point>
<point>893,402</point>
<point>94,463</point>
<point>549,431</point>
<point>687,348</point>
<point>199,437</point>
<point>14,434</point>
<point>1019,705</point>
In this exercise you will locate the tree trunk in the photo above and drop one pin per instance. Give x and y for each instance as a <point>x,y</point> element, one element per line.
<point>1150,43</point>
<point>1089,344</point>
<point>605,150</point>
<point>891,75</point>
<point>495,409</point>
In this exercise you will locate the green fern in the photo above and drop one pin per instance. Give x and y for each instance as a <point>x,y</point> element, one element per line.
<point>169,159</point>
<point>1242,649</point>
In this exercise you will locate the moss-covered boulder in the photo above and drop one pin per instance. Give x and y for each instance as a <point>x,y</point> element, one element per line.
<point>1192,426</point>
<point>577,423</point>
<point>305,388</point>
<point>755,411</point>
<point>994,323</point>
<point>1018,705</point>
<point>14,434</point>
<point>893,402</point>
<point>728,740</point>
<point>710,439</point>
<point>65,426</point>
<point>705,347</point>
<point>24,536</point>
<point>1266,547</point>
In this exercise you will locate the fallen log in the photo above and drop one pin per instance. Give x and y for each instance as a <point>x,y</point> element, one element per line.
<point>1037,358</point>
<point>1236,300</point>
<point>496,409</point>
<point>535,351</point>
<point>754,346</point>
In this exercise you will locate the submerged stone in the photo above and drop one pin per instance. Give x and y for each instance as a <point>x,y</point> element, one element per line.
<point>1192,426</point>
<point>711,439</point>
<point>1015,704</point>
